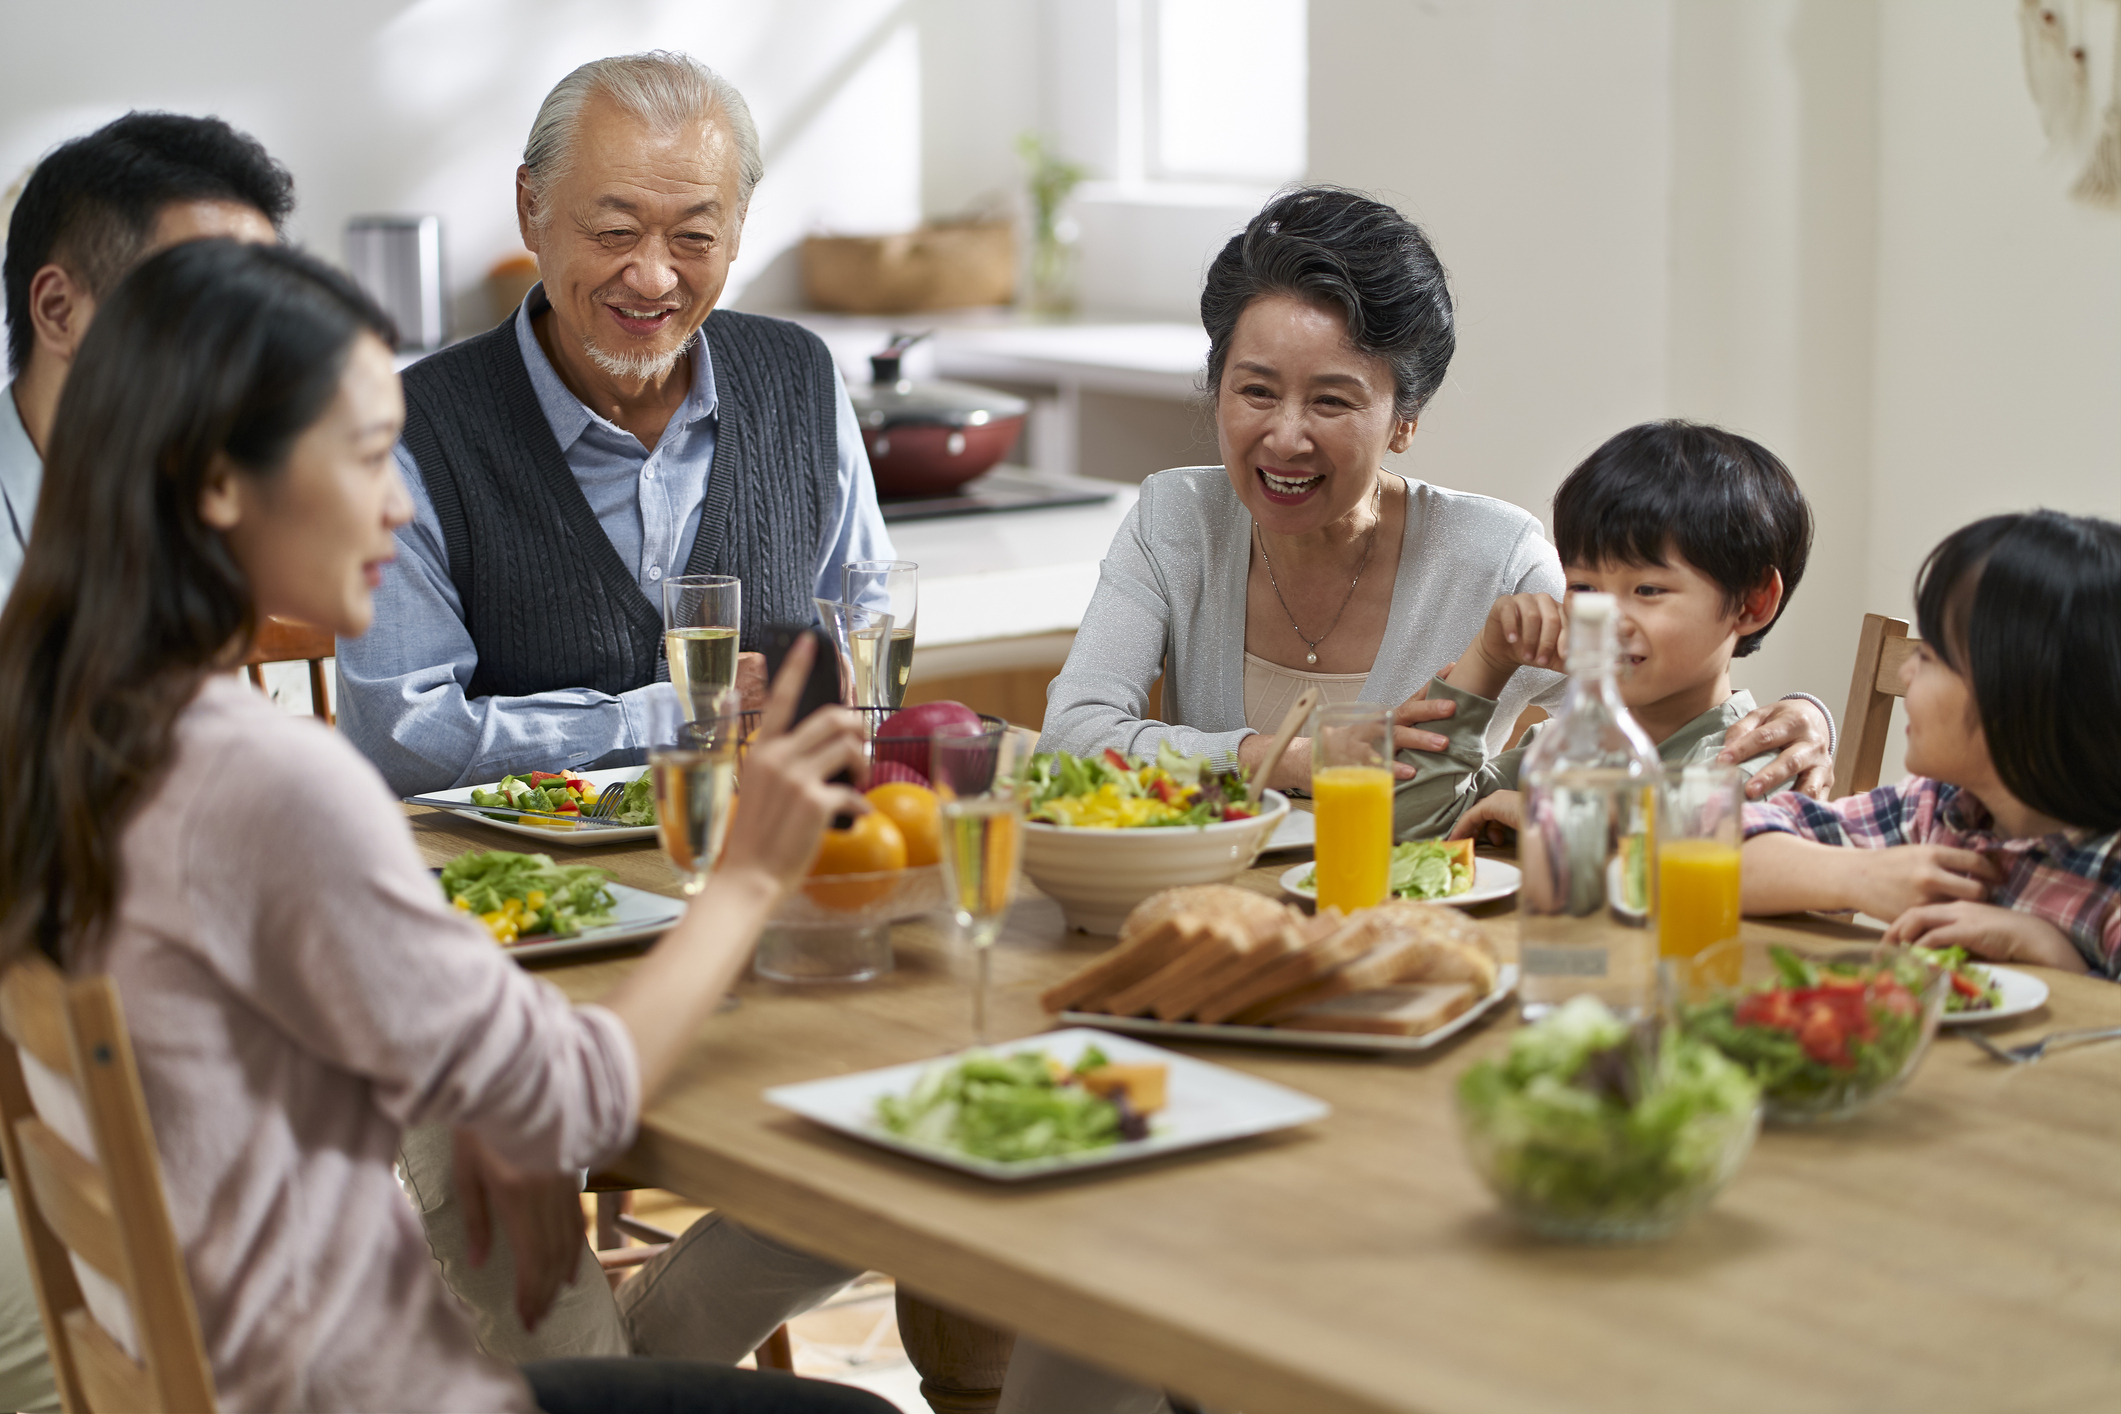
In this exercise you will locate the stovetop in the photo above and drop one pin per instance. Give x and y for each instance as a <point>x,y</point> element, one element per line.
<point>1003,489</point>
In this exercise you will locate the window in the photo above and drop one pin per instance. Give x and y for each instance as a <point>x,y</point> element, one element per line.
<point>1224,91</point>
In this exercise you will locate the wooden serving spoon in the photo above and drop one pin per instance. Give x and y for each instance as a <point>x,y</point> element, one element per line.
<point>1293,722</point>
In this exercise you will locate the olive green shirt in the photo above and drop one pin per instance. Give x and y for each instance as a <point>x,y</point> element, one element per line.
<point>1447,782</point>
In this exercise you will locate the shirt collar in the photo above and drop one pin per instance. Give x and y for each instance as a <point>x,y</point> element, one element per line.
<point>567,414</point>
<point>21,469</point>
<point>1963,811</point>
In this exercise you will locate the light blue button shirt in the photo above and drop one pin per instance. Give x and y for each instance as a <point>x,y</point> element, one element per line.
<point>21,472</point>
<point>402,686</point>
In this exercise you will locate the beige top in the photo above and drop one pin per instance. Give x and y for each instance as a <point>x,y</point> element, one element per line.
<point>1270,688</point>
<point>298,993</point>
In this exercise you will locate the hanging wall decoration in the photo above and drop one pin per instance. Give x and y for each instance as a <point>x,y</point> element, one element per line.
<point>2058,70</point>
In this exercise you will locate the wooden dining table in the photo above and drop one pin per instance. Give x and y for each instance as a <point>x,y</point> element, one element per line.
<point>1956,1247</point>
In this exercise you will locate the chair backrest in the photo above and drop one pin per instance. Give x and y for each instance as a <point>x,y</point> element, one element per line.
<point>108,1210</point>
<point>1881,650</point>
<point>285,641</point>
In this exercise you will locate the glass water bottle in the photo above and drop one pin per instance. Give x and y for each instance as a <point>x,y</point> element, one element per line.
<point>1587,914</point>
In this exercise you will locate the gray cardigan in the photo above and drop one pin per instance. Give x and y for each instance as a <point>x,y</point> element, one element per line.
<point>1172,590</point>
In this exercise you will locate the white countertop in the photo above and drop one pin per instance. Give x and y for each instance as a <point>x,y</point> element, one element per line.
<point>1012,575</point>
<point>1113,354</point>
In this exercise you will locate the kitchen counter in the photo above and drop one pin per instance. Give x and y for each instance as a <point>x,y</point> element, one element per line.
<point>1005,592</point>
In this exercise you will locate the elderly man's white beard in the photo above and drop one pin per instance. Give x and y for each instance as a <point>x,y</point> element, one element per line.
<point>638,365</point>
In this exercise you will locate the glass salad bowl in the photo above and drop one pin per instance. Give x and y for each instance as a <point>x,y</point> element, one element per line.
<point>1824,1034</point>
<point>837,927</point>
<point>1592,1130</point>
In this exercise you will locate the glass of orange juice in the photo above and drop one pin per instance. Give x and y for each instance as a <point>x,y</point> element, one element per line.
<point>1700,825</point>
<point>1351,789</point>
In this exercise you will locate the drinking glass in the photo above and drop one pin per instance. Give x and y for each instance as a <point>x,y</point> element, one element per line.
<point>890,585</point>
<point>862,637</point>
<point>1700,827</point>
<point>974,774</point>
<point>700,619</point>
<point>1351,791</point>
<point>695,787</point>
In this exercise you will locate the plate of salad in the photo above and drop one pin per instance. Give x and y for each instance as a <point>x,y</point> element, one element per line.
<point>1056,1103</point>
<point>1982,991</point>
<point>1434,871</point>
<point>562,792</point>
<point>535,907</point>
<point>1823,1035</point>
<point>1111,791</point>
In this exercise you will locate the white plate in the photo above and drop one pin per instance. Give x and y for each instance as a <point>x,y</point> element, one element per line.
<point>1492,879</point>
<point>1297,830</point>
<point>1206,1104</point>
<point>2021,992</point>
<point>1290,1037</point>
<point>575,835</point>
<point>638,916</point>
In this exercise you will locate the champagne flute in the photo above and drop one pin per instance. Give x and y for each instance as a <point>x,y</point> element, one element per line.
<point>862,637</point>
<point>701,614</point>
<point>695,787</point>
<point>983,841</point>
<point>890,585</point>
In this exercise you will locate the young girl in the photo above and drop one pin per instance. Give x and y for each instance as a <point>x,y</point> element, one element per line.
<point>2006,837</point>
<point>296,988</point>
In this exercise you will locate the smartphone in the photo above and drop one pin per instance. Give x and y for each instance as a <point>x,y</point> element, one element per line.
<point>820,689</point>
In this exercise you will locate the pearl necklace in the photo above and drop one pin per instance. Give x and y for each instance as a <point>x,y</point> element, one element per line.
<point>1268,560</point>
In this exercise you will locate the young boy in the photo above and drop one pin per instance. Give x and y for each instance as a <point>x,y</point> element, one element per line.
<point>1701,535</point>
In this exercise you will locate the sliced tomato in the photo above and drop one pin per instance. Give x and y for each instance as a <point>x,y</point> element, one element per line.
<point>1966,986</point>
<point>1116,761</point>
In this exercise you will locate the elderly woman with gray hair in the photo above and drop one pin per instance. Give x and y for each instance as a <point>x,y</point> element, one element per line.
<point>1301,562</point>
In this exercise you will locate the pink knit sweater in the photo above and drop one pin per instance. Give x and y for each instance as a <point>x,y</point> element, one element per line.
<point>298,994</point>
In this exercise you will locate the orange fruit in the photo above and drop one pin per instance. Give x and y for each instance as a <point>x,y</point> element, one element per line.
<point>913,808</point>
<point>871,845</point>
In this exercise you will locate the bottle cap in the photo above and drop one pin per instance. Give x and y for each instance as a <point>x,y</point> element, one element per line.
<point>1592,618</point>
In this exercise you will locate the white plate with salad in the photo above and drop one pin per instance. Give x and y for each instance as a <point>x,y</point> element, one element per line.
<point>1026,1100</point>
<point>541,790</point>
<point>1984,992</point>
<point>1422,870</point>
<point>536,907</point>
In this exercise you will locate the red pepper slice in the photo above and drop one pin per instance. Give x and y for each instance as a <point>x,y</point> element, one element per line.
<point>1965,986</point>
<point>540,777</point>
<point>1116,761</point>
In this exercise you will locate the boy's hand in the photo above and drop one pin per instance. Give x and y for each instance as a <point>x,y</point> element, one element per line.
<point>1494,818</point>
<point>1889,882</point>
<point>1522,630</point>
<point>1985,930</point>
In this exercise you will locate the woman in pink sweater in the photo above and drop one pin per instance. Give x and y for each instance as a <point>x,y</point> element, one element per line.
<point>297,990</point>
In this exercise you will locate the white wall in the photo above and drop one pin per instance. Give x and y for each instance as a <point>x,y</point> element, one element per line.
<point>380,105</point>
<point>1826,223</point>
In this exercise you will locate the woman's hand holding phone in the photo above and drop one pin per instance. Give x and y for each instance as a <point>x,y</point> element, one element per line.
<point>785,793</point>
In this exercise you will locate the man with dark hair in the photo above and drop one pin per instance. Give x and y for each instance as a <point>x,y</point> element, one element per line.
<point>94,208</point>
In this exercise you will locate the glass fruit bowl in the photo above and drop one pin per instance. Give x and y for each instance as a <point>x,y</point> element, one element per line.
<point>837,927</point>
<point>1591,1130</point>
<point>1824,1034</point>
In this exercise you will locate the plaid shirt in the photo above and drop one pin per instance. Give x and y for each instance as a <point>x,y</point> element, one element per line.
<point>2072,879</point>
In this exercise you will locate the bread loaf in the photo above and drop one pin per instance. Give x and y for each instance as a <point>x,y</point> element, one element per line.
<point>1414,1010</point>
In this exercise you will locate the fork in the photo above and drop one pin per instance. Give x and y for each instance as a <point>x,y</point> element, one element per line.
<point>608,802</point>
<point>2033,1050</point>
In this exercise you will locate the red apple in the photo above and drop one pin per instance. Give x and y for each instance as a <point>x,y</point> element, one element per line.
<point>905,735</point>
<point>884,771</point>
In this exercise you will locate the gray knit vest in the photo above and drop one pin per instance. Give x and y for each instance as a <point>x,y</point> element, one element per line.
<point>547,600</point>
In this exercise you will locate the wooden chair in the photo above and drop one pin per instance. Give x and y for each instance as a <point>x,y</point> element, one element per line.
<point>285,641</point>
<point>1882,649</point>
<point>106,1211</point>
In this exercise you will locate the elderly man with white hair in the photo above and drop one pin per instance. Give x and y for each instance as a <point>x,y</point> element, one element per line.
<point>617,430</point>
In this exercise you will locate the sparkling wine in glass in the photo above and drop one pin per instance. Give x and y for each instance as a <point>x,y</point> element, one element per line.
<point>862,637</point>
<point>701,613</point>
<point>695,788</point>
<point>983,841</point>
<point>892,586</point>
